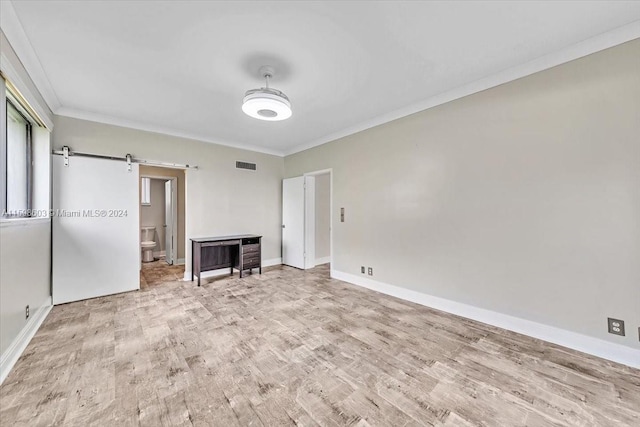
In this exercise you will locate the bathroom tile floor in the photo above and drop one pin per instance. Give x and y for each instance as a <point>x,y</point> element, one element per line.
<point>158,271</point>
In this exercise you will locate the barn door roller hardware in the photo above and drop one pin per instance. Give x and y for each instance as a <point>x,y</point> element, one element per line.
<point>67,152</point>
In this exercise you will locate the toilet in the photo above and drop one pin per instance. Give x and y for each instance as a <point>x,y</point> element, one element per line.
<point>147,243</point>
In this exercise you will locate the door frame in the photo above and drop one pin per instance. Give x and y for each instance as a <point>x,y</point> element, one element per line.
<point>310,214</point>
<point>174,208</point>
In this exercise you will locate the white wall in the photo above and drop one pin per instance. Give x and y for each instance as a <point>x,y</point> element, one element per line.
<point>220,199</point>
<point>322,208</point>
<point>522,199</point>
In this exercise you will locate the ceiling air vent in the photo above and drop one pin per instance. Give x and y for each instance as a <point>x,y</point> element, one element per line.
<point>245,165</point>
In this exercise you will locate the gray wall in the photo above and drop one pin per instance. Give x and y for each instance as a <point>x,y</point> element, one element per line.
<point>323,220</point>
<point>25,244</point>
<point>522,199</point>
<point>220,199</point>
<point>24,277</point>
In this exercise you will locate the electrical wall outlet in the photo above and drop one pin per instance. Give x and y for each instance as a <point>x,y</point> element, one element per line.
<point>616,326</point>
<point>370,271</point>
<point>362,269</point>
<point>26,312</point>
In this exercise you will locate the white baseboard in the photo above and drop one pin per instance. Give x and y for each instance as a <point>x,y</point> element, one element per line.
<point>225,271</point>
<point>586,344</point>
<point>271,262</point>
<point>17,347</point>
<point>158,254</point>
<point>179,261</point>
<point>324,260</point>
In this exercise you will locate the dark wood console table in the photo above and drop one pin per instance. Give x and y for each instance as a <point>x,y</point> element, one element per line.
<point>242,252</point>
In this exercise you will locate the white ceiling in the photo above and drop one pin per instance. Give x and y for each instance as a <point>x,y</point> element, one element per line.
<point>182,67</point>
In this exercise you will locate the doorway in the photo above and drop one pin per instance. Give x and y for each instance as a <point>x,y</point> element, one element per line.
<point>322,218</point>
<point>307,217</point>
<point>162,222</point>
<point>158,218</point>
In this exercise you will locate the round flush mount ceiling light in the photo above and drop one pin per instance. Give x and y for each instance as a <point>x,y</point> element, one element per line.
<point>266,103</point>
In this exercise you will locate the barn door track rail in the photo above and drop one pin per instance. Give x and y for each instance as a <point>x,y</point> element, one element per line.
<point>128,158</point>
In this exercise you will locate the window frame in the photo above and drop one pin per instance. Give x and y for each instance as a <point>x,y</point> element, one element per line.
<point>8,98</point>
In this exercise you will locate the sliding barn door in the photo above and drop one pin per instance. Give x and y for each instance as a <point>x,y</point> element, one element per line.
<point>293,222</point>
<point>96,228</point>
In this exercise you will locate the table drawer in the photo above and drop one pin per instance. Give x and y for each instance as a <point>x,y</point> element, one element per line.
<point>250,249</point>
<point>251,259</point>
<point>221,243</point>
<point>252,262</point>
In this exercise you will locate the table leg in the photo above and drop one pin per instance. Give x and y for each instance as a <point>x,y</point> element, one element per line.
<point>192,255</point>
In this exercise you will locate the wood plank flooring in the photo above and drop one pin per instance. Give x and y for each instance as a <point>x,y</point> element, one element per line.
<point>297,348</point>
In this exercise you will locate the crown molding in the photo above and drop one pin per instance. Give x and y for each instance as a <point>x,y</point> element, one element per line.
<point>587,47</point>
<point>13,29</point>
<point>10,72</point>
<point>132,124</point>
<point>16,35</point>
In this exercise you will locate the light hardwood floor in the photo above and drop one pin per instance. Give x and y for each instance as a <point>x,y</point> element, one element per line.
<point>289,347</point>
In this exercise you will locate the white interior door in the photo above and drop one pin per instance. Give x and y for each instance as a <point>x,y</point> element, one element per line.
<point>293,222</point>
<point>169,217</point>
<point>96,228</point>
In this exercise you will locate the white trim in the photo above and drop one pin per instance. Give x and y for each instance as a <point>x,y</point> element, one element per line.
<point>174,213</point>
<point>225,271</point>
<point>14,77</point>
<point>323,260</point>
<point>179,261</point>
<point>15,33</point>
<point>13,29</point>
<point>271,262</point>
<point>158,254</point>
<point>586,344</point>
<point>146,175</point>
<point>19,344</point>
<point>132,124</point>
<point>594,44</point>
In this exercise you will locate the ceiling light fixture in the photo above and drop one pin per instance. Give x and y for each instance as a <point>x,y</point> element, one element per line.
<point>266,103</point>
